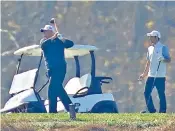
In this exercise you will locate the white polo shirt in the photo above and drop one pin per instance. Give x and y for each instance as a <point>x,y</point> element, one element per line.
<point>153,55</point>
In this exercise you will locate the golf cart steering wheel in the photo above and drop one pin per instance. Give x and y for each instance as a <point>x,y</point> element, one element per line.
<point>78,94</point>
<point>105,80</point>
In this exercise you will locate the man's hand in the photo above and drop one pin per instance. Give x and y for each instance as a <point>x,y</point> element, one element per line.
<point>161,59</point>
<point>54,36</point>
<point>145,72</point>
<point>142,76</point>
<point>53,23</point>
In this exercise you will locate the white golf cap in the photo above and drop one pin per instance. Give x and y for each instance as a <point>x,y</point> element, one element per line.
<point>47,27</point>
<point>154,33</point>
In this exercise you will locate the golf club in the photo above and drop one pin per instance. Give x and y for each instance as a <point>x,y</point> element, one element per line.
<point>52,21</point>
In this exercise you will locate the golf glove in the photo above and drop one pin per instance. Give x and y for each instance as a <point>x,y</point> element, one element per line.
<point>60,36</point>
<point>161,59</point>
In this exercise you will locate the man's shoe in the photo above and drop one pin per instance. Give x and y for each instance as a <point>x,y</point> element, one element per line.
<point>162,111</point>
<point>143,112</point>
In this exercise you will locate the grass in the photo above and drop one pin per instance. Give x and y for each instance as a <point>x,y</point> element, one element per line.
<point>88,122</point>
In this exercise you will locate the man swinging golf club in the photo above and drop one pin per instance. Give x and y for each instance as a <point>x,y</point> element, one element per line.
<point>157,58</point>
<point>53,45</point>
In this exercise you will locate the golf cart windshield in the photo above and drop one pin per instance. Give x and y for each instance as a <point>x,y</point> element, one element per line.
<point>35,50</point>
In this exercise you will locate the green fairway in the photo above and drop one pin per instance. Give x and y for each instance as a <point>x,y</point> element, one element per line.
<point>89,122</point>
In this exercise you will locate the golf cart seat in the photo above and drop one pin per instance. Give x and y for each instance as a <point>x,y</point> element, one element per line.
<point>23,81</point>
<point>85,80</point>
<point>75,84</point>
<point>96,83</point>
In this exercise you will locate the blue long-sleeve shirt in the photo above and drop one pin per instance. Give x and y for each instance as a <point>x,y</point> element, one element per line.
<point>53,51</point>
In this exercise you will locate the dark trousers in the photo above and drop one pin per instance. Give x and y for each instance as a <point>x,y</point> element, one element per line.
<point>56,90</point>
<point>160,85</point>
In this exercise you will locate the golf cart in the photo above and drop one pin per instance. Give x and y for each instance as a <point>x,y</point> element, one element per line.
<point>84,91</point>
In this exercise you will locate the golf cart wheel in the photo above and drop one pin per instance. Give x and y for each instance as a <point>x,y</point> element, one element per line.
<point>105,110</point>
<point>105,107</point>
<point>21,109</point>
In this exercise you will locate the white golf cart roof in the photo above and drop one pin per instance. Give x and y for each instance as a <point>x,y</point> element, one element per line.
<point>76,50</point>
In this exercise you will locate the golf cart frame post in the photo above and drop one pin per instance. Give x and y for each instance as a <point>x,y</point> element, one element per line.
<point>39,65</point>
<point>19,63</point>
<point>93,64</point>
<point>77,63</point>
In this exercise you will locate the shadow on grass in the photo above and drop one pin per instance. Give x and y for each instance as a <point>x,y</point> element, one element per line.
<point>6,126</point>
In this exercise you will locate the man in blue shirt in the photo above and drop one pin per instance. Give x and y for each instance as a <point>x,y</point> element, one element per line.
<point>53,45</point>
<point>157,58</point>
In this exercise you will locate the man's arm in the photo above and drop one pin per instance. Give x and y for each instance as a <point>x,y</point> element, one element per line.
<point>53,23</point>
<point>166,55</point>
<point>67,43</point>
<point>146,70</point>
<point>54,36</point>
